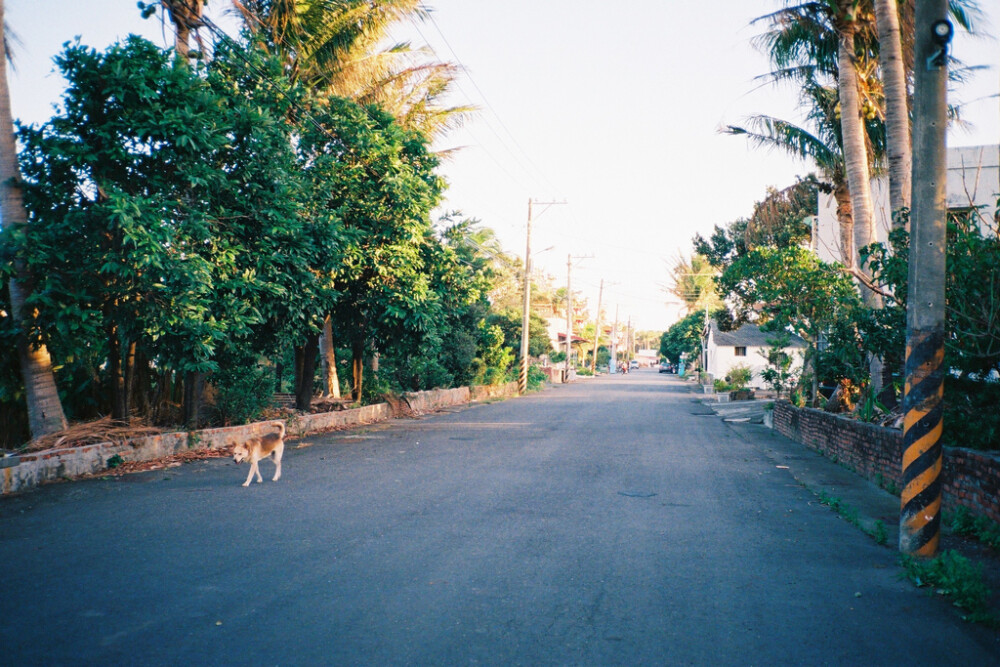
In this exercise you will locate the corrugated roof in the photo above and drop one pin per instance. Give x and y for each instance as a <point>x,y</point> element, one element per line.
<point>748,335</point>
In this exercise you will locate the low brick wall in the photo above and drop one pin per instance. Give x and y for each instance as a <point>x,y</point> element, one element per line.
<point>22,472</point>
<point>487,392</point>
<point>435,399</point>
<point>970,478</point>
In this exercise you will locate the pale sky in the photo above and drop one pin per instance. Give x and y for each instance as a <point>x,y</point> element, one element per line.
<point>612,107</point>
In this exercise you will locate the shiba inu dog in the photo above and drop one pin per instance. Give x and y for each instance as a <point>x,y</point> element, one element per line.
<point>255,449</point>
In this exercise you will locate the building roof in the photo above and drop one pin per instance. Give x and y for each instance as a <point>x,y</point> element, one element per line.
<point>748,335</point>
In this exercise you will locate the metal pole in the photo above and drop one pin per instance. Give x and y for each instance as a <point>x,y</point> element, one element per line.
<point>920,515</point>
<point>597,330</point>
<point>522,377</point>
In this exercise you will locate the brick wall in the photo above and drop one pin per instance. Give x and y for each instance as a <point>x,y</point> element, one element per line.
<point>970,478</point>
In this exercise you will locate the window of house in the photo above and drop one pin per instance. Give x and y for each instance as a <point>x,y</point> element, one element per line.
<point>741,352</point>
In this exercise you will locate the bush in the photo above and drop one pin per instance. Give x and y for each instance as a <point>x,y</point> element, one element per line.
<point>536,377</point>
<point>739,376</point>
<point>242,392</point>
<point>970,415</point>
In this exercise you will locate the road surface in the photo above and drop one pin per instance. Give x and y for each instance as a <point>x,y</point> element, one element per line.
<point>606,522</point>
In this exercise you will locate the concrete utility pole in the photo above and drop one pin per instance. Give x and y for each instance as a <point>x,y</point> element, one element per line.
<point>522,377</point>
<point>920,515</point>
<point>614,343</point>
<point>597,330</point>
<point>569,309</point>
<point>569,315</point>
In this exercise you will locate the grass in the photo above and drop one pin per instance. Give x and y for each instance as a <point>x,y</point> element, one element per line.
<point>980,528</point>
<point>955,576</point>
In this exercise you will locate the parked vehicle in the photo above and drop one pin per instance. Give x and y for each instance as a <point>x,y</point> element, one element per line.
<point>666,367</point>
<point>633,365</point>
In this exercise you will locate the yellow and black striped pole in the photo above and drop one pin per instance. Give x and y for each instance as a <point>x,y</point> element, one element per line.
<point>920,517</point>
<point>920,512</point>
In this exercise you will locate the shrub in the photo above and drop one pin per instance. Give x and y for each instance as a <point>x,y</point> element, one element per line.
<point>242,392</point>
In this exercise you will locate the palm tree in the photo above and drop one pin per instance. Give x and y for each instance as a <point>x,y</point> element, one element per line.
<point>897,117</point>
<point>829,49</point>
<point>335,46</point>
<point>45,412</point>
<point>693,284</point>
<point>895,36</point>
<point>847,21</point>
<point>821,144</point>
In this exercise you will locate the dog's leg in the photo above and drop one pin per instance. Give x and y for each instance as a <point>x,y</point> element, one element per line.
<point>279,450</point>
<point>253,465</point>
<point>256,469</point>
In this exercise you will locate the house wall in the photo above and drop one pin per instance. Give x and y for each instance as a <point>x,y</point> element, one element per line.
<point>973,179</point>
<point>970,478</point>
<point>721,359</point>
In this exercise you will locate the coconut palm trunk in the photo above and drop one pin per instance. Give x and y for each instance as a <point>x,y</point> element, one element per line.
<point>45,412</point>
<point>856,165</point>
<point>897,116</point>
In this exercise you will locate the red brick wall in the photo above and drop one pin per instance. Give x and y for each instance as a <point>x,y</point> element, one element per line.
<point>970,478</point>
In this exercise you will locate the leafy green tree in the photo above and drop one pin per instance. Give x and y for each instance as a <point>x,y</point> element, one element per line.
<point>380,181</point>
<point>790,288</point>
<point>684,338</point>
<point>125,249</point>
<point>510,322</point>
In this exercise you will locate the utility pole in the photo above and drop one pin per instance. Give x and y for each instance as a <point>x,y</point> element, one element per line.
<point>614,343</point>
<point>920,514</point>
<point>597,330</point>
<point>628,340</point>
<point>569,315</point>
<point>569,309</point>
<point>522,377</point>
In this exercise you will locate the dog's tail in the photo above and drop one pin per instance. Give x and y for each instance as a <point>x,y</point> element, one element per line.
<point>281,428</point>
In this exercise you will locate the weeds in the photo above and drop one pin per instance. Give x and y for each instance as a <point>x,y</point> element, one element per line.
<point>980,528</point>
<point>877,531</point>
<point>955,576</point>
<point>886,484</point>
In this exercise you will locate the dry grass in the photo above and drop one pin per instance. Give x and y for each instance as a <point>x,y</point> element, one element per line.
<point>89,433</point>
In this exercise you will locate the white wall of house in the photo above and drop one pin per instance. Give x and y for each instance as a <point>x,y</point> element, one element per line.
<point>973,180</point>
<point>723,358</point>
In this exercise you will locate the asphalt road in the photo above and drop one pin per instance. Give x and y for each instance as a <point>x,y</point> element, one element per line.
<point>607,522</point>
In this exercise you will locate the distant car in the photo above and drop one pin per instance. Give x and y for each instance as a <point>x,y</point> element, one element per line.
<point>666,367</point>
<point>633,365</point>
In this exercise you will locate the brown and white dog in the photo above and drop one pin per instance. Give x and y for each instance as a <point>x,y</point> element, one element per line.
<point>255,449</point>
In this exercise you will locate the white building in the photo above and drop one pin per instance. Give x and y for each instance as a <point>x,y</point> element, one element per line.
<point>746,346</point>
<point>973,181</point>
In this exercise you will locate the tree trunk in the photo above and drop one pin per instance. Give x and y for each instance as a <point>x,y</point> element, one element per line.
<point>897,116</point>
<point>193,385</point>
<point>858,175</point>
<point>331,382</point>
<point>357,368</point>
<point>45,412</point>
<point>842,195</point>
<point>115,375</point>
<point>304,387</point>
<point>855,150</point>
<point>298,356</point>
